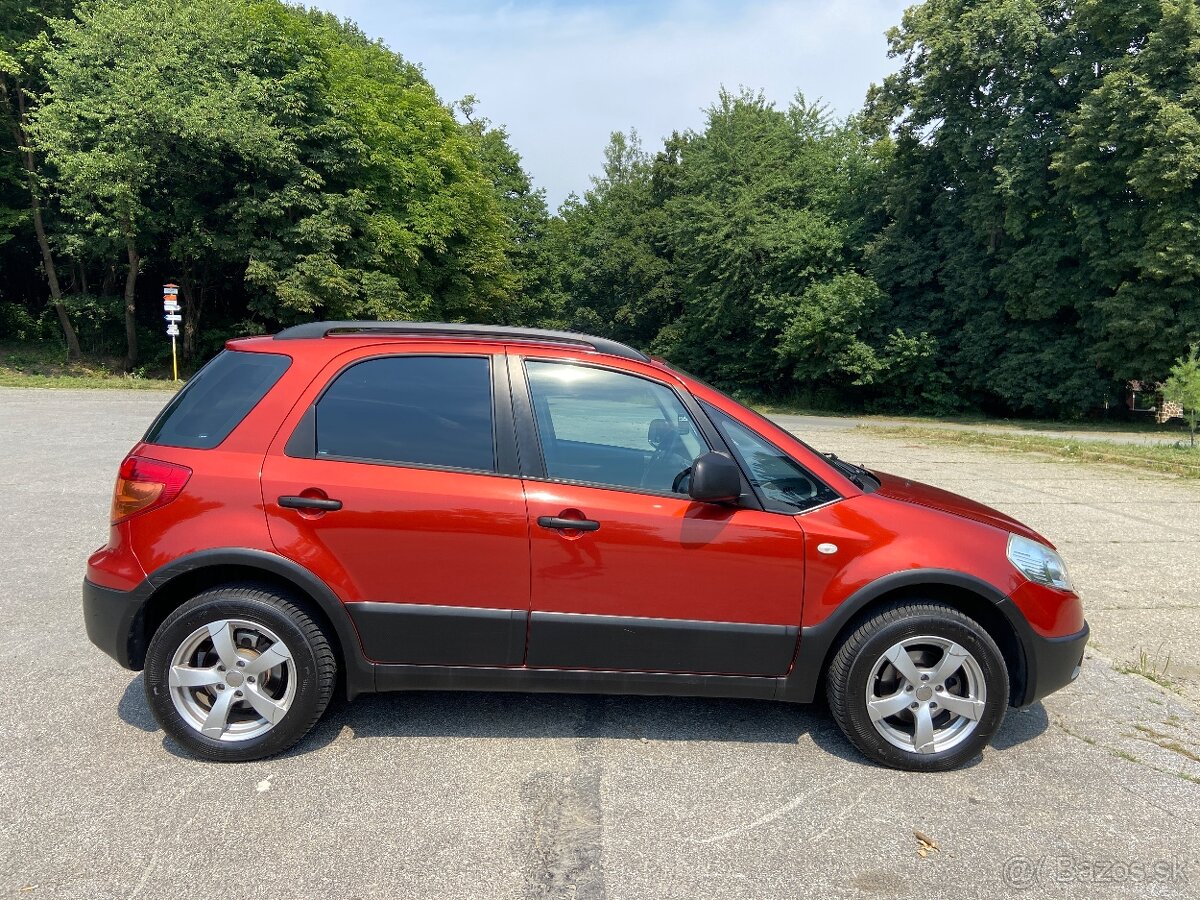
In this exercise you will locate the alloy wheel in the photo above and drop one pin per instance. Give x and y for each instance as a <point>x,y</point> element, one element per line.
<point>926,694</point>
<point>232,680</point>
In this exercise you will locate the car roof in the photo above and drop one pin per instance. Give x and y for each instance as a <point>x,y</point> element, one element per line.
<point>460,331</point>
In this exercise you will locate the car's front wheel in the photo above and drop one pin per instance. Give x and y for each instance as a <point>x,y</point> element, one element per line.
<point>239,672</point>
<point>918,686</point>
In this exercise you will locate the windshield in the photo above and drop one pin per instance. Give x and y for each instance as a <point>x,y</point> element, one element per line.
<point>858,475</point>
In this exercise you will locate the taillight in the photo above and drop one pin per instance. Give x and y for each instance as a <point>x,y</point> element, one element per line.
<point>144,484</point>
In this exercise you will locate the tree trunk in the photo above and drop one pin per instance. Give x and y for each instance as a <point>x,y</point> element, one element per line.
<point>193,304</point>
<point>39,229</point>
<point>131,347</point>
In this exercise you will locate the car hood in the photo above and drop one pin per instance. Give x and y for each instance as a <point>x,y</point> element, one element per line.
<point>909,491</point>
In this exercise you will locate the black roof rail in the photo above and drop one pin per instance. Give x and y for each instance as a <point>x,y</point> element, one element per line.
<point>461,331</point>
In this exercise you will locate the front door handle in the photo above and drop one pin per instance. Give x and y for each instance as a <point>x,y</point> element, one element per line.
<point>322,503</point>
<point>558,523</point>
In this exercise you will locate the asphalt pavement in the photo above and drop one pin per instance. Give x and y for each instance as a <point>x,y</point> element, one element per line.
<point>1093,792</point>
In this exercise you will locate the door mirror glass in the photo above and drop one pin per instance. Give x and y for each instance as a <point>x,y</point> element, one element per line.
<point>715,478</point>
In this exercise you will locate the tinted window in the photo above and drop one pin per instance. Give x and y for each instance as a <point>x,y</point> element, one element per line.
<point>783,483</point>
<point>216,399</point>
<point>606,427</point>
<point>427,410</point>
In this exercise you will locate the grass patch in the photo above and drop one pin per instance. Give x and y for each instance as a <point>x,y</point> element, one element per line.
<point>46,366</point>
<point>1166,742</point>
<point>1134,426</point>
<point>1150,668</point>
<point>1174,459</point>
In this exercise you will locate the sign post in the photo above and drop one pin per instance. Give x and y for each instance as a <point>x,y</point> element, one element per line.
<point>174,317</point>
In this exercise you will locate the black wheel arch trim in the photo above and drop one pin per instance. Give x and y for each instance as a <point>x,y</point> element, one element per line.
<point>817,642</point>
<point>358,672</point>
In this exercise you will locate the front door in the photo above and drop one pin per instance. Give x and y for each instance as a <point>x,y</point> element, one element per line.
<point>389,482</point>
<point>628,573</point>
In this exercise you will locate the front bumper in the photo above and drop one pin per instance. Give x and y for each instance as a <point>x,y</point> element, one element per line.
<point>1051,663</point>
<point>115,623</point>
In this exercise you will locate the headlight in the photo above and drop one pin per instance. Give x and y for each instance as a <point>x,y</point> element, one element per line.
<point>1038,563</point>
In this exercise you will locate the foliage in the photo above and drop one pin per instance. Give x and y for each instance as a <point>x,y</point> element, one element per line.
<point>1042,203</point>
<point>247,141</point>
<point>1011,224</point>
<point>1183,387</point>
<point>532,259</point>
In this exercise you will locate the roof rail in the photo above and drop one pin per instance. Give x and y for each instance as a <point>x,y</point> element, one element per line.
<point>462,331</point>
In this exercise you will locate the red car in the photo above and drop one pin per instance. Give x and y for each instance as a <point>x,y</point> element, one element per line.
<point>406,506</point>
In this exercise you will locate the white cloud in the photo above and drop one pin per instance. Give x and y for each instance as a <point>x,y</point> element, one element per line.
<point>562,76</point>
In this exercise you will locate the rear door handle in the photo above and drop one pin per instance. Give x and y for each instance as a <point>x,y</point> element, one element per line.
<point>322,503</point>
<point>560,524</point>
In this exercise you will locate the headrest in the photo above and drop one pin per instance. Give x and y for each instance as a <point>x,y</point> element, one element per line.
<point>659,432</point>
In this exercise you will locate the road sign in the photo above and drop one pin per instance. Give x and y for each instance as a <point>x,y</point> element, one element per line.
<point>174,317</point>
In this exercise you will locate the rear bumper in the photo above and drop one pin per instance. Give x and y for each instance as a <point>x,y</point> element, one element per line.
<point>114,622</point>
<point>1051,663</point>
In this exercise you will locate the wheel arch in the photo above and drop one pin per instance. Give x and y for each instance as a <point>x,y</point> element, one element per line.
<point>971,595</point>
<point>176,583</point>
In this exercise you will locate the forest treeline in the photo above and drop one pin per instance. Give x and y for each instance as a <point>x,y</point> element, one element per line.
<point>1010,223</point>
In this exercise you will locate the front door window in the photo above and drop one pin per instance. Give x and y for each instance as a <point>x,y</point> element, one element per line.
<point>609,428</point>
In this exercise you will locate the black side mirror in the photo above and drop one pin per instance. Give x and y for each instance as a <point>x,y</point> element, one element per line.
<point>715,479</point>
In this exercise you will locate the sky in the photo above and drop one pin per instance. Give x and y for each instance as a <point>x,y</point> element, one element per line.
<point>562,75</point>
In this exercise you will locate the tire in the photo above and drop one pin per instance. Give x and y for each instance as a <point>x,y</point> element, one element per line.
<point>239,672</point>
<point>938,716</point>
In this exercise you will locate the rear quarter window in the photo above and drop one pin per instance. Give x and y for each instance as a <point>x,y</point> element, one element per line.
<point>216,399</point>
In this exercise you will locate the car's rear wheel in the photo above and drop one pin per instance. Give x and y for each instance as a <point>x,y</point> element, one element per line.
<point>919,686</point>
<point>239,672</point>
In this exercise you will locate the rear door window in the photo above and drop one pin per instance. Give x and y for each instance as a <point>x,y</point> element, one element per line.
<point>415,410</point>
<point>216,399</point>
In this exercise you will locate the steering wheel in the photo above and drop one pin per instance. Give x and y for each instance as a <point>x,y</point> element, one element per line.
<point>788,484</point>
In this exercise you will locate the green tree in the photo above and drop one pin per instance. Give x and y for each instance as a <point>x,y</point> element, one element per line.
<point>22,26</point>
<point>145,103</point>
<point>279,143</point>
<point>763,234</point>
<point>405,221</point>
<point>1128,169</point>
<point>1183,387</point>
<point>617,269</point>
<point>535,255</point>
<point>979,250</point>
<point>1043,193</point>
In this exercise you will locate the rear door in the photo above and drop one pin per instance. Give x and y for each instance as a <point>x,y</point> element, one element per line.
<point>395,481</point>
<point>628,572</point>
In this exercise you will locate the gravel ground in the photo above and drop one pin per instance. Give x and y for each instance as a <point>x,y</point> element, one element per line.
<point>1094,792</point>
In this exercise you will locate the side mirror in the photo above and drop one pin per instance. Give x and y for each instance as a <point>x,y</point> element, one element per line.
<point>715,479</point>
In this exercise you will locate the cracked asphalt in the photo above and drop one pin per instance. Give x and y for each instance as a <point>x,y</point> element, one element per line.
<point>1093,792</point>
